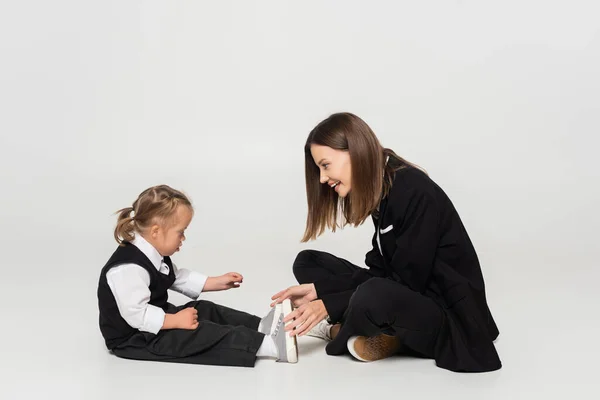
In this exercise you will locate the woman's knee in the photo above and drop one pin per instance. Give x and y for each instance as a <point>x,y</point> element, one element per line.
<point>373,293</point>
<point>305,259</point>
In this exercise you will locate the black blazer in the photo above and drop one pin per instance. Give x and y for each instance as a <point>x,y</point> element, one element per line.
<point>426,248</point>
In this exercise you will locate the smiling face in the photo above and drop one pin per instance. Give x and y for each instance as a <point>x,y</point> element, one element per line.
<point>343,153</point>
<point>334,168</point>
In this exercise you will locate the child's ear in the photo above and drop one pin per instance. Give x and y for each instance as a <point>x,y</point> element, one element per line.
<point>154,231</point>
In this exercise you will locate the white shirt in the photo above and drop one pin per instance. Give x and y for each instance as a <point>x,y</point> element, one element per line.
<point>129,284</point>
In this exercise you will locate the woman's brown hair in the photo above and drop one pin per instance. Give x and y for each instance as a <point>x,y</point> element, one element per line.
<point>371,176</point>
<point>157,204</point>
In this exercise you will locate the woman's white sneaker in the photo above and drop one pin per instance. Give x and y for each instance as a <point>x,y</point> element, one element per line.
<point>322,330</point>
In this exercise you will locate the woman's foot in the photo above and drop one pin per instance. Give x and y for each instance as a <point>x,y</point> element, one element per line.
<point>324,330</point>
<point>335,329</point>
<point>373,348</point>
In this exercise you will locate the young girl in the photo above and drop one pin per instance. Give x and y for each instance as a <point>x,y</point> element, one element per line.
<point>136,320</point>
<point>423,293</point>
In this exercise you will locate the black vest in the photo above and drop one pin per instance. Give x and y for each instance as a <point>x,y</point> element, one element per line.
<point>114,328</point>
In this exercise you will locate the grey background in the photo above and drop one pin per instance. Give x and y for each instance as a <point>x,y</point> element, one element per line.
<point>499,101</point>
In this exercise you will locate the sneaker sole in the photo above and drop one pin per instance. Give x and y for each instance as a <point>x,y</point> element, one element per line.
<point>375,348</point>
<point>352,351</point>
<point>290,341</point>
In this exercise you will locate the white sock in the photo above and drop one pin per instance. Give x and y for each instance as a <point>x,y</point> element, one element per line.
<point>262,328</point>
<point>267,348</point>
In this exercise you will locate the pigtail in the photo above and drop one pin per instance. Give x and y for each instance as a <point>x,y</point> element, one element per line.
<point>124,231</point>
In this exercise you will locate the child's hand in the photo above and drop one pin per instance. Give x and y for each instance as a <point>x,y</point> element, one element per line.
<point>223,282</point>
<point>187,318</point>
<point>184,319</point>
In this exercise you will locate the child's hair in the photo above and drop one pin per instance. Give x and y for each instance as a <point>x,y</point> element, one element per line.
<point>154,205</point>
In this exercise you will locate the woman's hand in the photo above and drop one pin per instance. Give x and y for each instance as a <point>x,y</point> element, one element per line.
<point>223,282</point>
<point>305,317</point>
<point>298,295</point>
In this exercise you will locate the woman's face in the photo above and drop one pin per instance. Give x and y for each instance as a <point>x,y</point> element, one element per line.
<point>334,166</point>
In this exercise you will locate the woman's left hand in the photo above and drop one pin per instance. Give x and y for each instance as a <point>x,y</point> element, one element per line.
<point>298,295</point>
<point>305,317</point>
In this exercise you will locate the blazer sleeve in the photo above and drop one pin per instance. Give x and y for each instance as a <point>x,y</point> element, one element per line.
<point>416,219</point>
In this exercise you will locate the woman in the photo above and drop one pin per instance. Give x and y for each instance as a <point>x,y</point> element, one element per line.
<point>423,293</point>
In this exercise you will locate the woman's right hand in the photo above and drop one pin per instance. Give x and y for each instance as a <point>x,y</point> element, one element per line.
<point>299,295</point>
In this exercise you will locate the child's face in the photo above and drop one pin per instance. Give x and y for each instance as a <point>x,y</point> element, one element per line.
<point>168,239</point>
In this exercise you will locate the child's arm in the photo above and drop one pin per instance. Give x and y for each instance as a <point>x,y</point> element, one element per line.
<point>188,283</point>
<point>227,281</point>
<point>192,283</point>
<point>129,284</point>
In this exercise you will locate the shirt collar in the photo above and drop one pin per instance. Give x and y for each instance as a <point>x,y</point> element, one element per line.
<point>148,250</point>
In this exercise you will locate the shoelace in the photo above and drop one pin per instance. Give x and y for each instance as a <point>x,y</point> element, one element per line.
<point>279,324</point>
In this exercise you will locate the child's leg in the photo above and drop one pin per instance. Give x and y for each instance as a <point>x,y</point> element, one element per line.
<point>211,344</point>
<point>228,316</point>
<point>224,337</point>
<point>209,311</point>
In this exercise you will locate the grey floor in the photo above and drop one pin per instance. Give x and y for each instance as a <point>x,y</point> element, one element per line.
<point>53,349</point>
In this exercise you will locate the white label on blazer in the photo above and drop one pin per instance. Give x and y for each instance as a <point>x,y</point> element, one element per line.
<point>386,230</point>
<point>381,232</point>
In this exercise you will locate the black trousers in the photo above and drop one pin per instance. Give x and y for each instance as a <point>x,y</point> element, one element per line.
<point>379,305</point>
<point>224,337</point>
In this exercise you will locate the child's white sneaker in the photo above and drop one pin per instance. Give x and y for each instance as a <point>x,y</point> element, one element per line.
<point>322,330</point>
<point>266,323</point>
<point>287,347</point>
